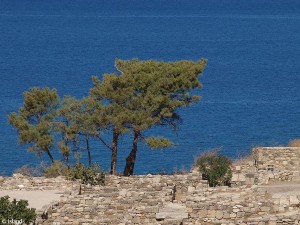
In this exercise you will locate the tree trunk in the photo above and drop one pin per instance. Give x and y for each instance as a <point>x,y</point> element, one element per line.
<point>66,158</point>
<point>50,155</point>
<point>114,152</point>
<point>88,149</point>
<point>130,160</point>
<point>65,139</point>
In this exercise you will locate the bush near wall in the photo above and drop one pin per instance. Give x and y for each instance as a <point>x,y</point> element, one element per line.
<point>215,168</point>
<point>91,174</point>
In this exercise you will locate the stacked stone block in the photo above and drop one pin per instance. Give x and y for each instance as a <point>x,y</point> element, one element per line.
<point>177,199</point>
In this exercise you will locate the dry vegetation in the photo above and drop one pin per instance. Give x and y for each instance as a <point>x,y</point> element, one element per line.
<point>294,143</point>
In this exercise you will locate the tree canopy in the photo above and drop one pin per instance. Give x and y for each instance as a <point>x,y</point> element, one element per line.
<point>158,90</point>
<point>35,118</point>
<point>140,95</point>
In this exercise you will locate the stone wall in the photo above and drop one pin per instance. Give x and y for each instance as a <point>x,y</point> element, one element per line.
<point>126,200</point>
<point>180,199</point>
<point>278,163</point>
<point>20,182</point>
<point>244,172</point>
<point>268,164</point>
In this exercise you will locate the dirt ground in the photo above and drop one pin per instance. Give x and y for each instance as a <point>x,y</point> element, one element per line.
<point>283,188</point>
<point>36,199</point>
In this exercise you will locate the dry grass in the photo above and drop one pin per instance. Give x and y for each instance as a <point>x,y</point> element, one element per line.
<point>32,171</point>
<point>207,153</point>
<point>175,171</point>
<point>246,158</point>
<point>243,161</point>
<point>294,143</point>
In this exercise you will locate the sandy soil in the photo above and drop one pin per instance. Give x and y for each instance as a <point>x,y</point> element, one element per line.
<point>36,199</point>
<point>283,188</point>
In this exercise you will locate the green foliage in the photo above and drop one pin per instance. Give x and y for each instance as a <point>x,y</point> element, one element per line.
<point>158,142</point>
<point>91,174</point>
<point>157,89</point>
<point>112,92</point>
<point>56,169</point>
<point>215,168</point>
<point>15,210</point>
<point>35,120</point>
<point>140,96</point>
<point>76,124</point>
<point>147,94</point>
<point>111,96</point>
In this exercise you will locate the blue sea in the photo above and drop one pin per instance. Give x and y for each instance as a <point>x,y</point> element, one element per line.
<point>251,86</point>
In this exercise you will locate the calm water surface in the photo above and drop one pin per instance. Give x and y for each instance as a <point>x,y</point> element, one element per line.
<point>251,84</point>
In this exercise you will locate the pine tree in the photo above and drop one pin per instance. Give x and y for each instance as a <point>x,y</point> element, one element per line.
<point>78,123</point>
<point>145,94</point>
<point>113,92</point>
<point>35,120</point>
<point>140,96</point>
<point>159,89</point>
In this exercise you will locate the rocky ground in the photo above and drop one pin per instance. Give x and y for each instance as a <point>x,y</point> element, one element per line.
<point>265,191</point>
<point>40,192</point>
<point>153,199</point>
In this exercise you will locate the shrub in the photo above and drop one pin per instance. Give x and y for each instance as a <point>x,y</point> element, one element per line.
<point>215,168</point>
<point>55,170</point>
<point>31,171</point>
<point>294,143</point>
<point>15,210</point>
<point>175,171</point>
<point>92,174</point>
<point>25,171</point>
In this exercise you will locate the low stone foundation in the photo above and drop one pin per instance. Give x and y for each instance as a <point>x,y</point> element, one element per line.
<point>278,164</point>
<point>268,164</point>
<point>20,182</point>
<point>180,199</point>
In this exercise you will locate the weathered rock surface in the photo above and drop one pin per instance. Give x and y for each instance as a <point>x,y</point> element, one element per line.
<point>258,196</point>
<point>172,211</point>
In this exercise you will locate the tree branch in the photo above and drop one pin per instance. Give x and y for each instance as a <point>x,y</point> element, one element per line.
<point>103,142</point>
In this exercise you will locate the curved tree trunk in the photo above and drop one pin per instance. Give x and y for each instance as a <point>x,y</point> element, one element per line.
<point>65,139</point>
<point>88,149</point>
<point>114,152</point>
<point>130,160</point>
<point>50,155</point>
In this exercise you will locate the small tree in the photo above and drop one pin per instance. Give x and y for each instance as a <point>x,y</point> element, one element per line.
<point>56,169</point>
<point>76,124</point>
<point>113,93</point>
<point>15,210</point>
<point>35,120</point>
<point>215,168</point>
<point>91,174</point>
<point>157,90</point>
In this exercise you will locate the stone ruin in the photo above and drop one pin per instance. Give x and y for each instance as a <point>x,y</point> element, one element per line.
<point>268,164</point>
<point>265,190</point>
